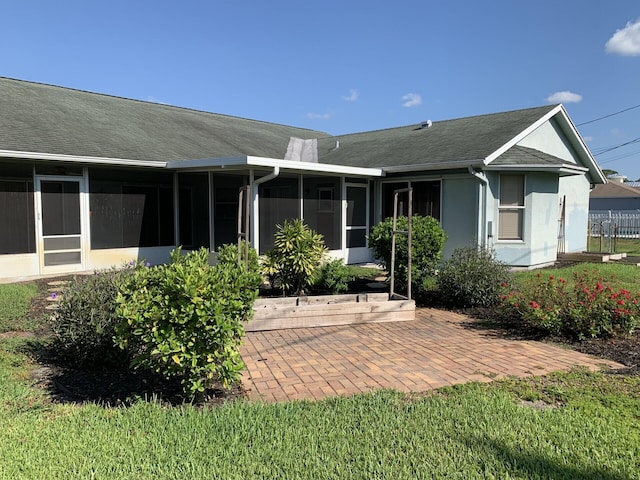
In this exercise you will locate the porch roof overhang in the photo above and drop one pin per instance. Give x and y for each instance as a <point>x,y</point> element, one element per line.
<point>564,170</point>
<point>424,167</point>
<point>206,164</point>
<point>56,157</point>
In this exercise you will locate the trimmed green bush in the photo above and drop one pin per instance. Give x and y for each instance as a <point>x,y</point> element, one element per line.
<point>185,319</point>
<point>84,323</point>
<point>472,277</point>
<point>332,277</point>
<point>297,253</point>
<point>428,239</point>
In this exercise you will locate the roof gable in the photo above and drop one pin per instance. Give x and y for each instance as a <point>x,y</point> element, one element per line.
<point>470,139</point>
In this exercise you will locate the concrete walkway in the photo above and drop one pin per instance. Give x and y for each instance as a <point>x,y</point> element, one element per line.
<point>435,350</point>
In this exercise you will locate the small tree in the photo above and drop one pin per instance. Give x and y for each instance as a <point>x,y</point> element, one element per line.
<point>427,245</point>
<point>297,253</point>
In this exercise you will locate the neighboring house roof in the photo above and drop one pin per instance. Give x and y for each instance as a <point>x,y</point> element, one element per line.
<point>55,120</point>
<point>614,190</point>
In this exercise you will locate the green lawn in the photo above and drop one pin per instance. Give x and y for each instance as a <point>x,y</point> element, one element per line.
<point>630,246</point>
<point>14,305</point>
<point>466,432</point>
<point>615,275</point>
<point>582,425</point>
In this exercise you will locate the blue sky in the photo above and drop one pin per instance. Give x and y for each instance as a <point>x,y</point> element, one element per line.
<point>345,66</point>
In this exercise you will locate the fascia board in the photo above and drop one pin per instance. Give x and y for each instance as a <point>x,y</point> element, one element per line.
<point>84,160</point>
<point>292,165</point>
<point>515,140</point>
<point>435,166</point>
<point>564,168</point>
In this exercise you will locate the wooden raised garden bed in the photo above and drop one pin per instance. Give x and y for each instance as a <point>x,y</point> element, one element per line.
<point>327,310</point>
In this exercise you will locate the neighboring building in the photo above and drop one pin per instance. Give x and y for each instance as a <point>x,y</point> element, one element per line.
<point>88,181</point>
<point>614,195</point>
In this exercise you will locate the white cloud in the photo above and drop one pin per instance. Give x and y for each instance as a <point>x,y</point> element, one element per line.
<point>564,97</point>
<point>625,41</point>
<point>353,95</point>
<point>411,100</point>
<point>318,116</point>
<point>588,139</point>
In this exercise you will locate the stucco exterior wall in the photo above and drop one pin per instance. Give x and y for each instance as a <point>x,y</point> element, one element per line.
<point>540,229</point>
<point>549,138</point>
<point>460,198</point>
<point>576,191</point>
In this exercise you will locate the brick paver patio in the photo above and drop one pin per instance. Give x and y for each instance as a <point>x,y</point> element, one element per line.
<point>435,350</point>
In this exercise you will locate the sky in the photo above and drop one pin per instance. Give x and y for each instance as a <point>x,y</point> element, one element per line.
<point>346,66</point>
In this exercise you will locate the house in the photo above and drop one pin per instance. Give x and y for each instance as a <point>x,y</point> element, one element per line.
<point>88,181</point>
<point>615,195</point>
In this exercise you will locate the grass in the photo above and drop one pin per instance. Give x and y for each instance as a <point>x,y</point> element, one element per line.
<point>471,431</point>
<point>630,246</point>
<point>14,305</point>
<point>582,425</point>
<point>615,275</point>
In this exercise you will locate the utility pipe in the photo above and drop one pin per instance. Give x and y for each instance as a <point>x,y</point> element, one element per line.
<point>256,205</point>
<point>482,204</point>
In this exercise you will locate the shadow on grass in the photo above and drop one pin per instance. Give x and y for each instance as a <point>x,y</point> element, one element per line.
<point>110,385</point>
<point>525,463</point>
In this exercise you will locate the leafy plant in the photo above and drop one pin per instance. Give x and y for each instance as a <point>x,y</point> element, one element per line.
<point>185,319</point>
<point>428,239</point>
<point>297,253</point>
<point>332,277</point>
<point>472,277</point>
<point>84,323</point>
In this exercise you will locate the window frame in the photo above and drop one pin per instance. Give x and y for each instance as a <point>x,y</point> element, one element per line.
<point>520,209</point>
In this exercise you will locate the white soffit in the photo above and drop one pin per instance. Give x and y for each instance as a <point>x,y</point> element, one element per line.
<point>250,161</point>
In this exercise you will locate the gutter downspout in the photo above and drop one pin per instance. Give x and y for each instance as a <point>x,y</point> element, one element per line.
<point>256,204</point>
<point>482,204</point>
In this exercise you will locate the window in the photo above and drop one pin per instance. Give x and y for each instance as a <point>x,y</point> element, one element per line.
<point>511,208</point>
<point>130,208</point>
<point>322,208</point>
<point>426,198</point>
<point>17,220</point>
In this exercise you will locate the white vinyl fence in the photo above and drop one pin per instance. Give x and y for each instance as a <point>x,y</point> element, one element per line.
<point>614,223</point>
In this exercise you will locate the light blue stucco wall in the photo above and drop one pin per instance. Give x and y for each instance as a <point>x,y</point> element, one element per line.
<point>576,189</point>
<point>460,199</point>
<point>549,138</point>
<point>540,229</point>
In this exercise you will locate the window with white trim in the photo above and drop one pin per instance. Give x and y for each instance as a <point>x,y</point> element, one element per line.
<point>511,207</point>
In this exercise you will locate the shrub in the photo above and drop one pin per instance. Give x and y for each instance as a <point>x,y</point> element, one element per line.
<point>583,307</point>
<point>185,319</point>
<point>228,254</point>
<point>84,323</point>
<point>297,253</point>
<point>332,277</point>
<point>428,241</point>
<point>472,277</point>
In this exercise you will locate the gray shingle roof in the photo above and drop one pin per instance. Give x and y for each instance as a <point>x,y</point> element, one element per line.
<point>463,139</point>
<point>521,156</point>
<point>614,190</point>
<point>48,119</point>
